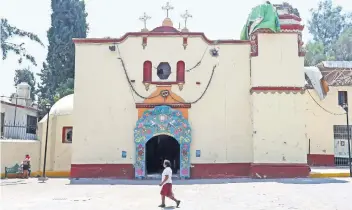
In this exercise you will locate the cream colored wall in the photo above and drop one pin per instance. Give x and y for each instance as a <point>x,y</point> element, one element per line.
<point>14,151</point>
<point>50,145</point>
<point>279,128</point>
<point>320,123</point>
<point>222,133</point>
<point>278,118</point>
<point>278,63</point>
<point>58,153</point>
<point>220,130</point>
<point>282,123</point>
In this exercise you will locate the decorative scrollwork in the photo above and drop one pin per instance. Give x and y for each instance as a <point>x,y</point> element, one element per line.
<point>164,93</point>
<point>167,121</point>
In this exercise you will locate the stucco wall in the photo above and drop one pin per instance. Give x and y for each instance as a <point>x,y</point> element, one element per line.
<point>278,63</point>
<point>279,128</point>
<point>58,153</point>
<point>318,128</point>
<point>320,123</point>
<point>221,122</point>
<point>219,129</point>
<point>278,118</point>
<point>14,151</point>
<point>222,134</point>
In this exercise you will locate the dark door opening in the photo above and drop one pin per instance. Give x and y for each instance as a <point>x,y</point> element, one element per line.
<point>160,148</point>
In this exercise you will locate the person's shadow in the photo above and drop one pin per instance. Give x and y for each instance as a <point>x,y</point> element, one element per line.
<point>169,207</point>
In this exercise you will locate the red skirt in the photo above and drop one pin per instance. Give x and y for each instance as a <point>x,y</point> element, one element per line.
<point>166,190</point>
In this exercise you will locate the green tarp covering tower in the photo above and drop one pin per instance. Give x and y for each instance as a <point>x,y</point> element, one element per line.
<point>263,16</point>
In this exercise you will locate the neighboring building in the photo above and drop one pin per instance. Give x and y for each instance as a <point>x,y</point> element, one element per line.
<point>326,119</point>
<point>19,116</point>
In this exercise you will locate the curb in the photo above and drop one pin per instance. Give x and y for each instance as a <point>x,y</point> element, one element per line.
<point>329,175</point>
<point>66,174</point>
<point>50,174</point>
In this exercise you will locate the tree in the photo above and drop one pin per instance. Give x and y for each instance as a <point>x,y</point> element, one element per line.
<point>327,23</point>
<point>64,89</point>
<point>7,32</point>
<point>68,21</point>
<point>314,53</point>
<point>25,75</point>
<point>343,46</point>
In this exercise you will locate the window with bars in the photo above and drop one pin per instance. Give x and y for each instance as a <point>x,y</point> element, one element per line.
<point>341,150</point>
<point>2,123</point>
<point>31,124</point>
<point>340,131</point>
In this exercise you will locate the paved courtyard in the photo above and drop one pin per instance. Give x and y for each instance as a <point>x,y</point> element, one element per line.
<point>237,194</point>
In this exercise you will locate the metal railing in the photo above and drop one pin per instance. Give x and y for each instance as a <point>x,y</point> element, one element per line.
<point>18,132</point>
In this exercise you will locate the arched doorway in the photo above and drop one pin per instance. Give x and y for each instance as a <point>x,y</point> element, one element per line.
<point>159,148</point>
<point>165,122</point>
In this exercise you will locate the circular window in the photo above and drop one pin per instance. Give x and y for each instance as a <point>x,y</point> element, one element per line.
<point>163,70</point>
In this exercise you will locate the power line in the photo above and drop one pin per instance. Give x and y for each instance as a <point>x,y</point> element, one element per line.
<point>128,78</point>
<point>195,66</point>
<point>323,107</point>
<point>205,90</point>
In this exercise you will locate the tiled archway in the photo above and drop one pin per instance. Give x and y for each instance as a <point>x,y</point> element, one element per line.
<point>167,121</point>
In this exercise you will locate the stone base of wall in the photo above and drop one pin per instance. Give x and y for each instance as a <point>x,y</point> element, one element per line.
<point>198,171</point>
<point>219,170</point>
<point>272,170</point>
<point>321,160</point>
<point>120,171</point>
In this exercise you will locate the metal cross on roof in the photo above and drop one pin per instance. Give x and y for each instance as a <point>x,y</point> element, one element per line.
<point>167,7</point>
<point>144,18</point>
<point>185,16</point>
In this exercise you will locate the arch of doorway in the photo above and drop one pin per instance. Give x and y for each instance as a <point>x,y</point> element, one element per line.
<point>159,148</point>
<point>162,120</point>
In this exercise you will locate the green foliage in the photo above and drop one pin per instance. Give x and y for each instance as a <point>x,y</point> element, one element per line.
<point>64,89</point>
<point>25,75</point>
<point>327,23</point>
<point>331,30</point>
<point>314,53</point>
<point>343,46</point>
<point>68,21</point>
<point>7,32</point>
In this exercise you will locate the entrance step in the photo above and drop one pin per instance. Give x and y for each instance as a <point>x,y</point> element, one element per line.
<point>158,176</point>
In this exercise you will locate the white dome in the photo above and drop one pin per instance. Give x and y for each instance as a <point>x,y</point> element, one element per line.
<point>64,106</point>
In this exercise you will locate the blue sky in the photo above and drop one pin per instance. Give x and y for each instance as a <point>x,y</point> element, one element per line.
<point>220,19</point>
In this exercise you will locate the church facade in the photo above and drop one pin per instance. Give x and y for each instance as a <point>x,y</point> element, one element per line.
<point>233,108</point>
<point>214,108</point>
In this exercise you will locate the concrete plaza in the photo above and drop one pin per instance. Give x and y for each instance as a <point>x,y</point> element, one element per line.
<point>234,194</point>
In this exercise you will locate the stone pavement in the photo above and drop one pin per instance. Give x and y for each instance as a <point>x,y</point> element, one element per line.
<point>234,194</point>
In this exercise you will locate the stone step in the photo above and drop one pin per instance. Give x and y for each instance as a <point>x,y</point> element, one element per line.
<point>158,176</point>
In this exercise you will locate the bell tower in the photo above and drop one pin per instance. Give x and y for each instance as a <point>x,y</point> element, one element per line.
<point>277,81</point>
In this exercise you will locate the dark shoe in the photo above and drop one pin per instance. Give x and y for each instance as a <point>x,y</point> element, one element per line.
<point>162,206</point>
<point>178,204</point>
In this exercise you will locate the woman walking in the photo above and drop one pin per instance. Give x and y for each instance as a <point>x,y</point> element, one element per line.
<point>166,183</point>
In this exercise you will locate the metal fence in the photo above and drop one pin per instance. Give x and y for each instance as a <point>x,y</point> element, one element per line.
<point>341,144</point>
<point>18,132</point>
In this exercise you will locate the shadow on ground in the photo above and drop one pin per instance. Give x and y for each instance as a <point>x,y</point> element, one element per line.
<point>205,181</point>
